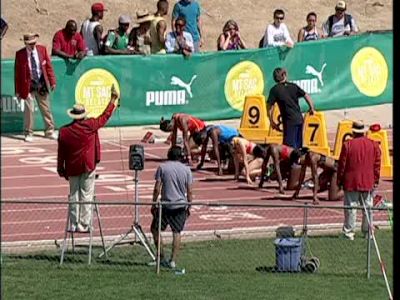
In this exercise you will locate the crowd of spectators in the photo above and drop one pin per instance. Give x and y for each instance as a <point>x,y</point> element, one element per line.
<point>149,33</point>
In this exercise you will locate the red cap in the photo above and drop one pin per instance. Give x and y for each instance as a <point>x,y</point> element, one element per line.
<point>98,7</point>
<point>375,127</point>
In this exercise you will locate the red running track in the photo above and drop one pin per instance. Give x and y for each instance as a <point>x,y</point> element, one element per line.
<point>29,174</point>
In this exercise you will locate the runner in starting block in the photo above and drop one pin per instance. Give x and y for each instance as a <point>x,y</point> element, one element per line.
<point>327,180</point>
<point>188,125</point>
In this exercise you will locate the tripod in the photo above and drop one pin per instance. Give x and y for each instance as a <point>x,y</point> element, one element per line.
<point>140,237</point>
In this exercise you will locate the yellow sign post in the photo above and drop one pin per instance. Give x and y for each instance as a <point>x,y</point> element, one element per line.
<point>254,124</point>
<point>315,133</point>
<point>276,136</point>
<point>343,133</point>
<point>382,138</point>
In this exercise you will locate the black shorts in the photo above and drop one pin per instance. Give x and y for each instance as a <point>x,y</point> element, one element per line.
<point>175,218</point>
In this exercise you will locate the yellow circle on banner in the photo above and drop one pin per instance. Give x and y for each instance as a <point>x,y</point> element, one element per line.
<point>93,90</point>
<point>369,71</point>
<point>245,78</point>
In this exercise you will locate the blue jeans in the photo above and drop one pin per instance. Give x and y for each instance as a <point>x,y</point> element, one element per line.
<point>293,135</point>
<point>196,46</point>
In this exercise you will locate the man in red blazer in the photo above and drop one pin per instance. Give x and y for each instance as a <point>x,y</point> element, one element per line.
<point>34,78</point>
<point>358,173</point>
<point>78,154</point>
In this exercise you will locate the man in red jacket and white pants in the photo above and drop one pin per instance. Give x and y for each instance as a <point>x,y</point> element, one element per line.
<point>358,173</point>
<point>78,154</point>
<point>34,79</point>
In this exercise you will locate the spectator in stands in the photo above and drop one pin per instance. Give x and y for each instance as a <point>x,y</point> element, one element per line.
<point>248,155</point>
<point>139,37</point>
<point>92,31</point>
<point>158,28</point>
<point>174,182</point>
<point>189,10</point>
<point>3,28</point>
<point>287,95</point>
<point>230,38</point>
<point>187,124</point>
<point>117,41</point>
<point>34,79</point>
<point>180,41</point>
<point>358,173</point>
<point>277,33</point>
<point>78,155</point>
<point>309,32</point>
<point>326,180</point>
<point>340,23</point>
<point>68,43</point>
<point>221,137</point>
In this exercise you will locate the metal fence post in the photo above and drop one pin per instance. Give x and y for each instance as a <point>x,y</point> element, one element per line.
<point>159,237</point>
<point>369,243</point>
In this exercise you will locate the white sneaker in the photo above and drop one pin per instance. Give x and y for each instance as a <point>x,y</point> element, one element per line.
<point>28,138</point>
<point>82,228</point>
<point>53,136</point>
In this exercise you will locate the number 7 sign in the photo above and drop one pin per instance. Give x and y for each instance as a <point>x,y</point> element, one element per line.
<point>315,133</point>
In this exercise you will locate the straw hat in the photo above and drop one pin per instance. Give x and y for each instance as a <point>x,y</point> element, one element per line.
<point>143,16</point>
<point>30,38</point>
<point>77,112</point>
<point>358,127</point>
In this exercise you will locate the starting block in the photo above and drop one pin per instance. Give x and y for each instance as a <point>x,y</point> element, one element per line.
<point>148,137</point>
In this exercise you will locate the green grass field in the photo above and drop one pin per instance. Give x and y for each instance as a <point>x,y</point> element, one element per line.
<point>221,269</point>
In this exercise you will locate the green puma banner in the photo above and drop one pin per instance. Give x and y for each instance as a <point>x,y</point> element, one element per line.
<point>337,73</point>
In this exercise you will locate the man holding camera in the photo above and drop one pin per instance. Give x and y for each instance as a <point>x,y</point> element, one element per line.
<point>78,155</point>
<point>174,181</point>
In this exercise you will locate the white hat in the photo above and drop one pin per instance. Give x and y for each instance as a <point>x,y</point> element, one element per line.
<point>30,38</point>
<point>341,5</point>
<point>124,19</point>
<point>77,112</point>
<point>358,127</point>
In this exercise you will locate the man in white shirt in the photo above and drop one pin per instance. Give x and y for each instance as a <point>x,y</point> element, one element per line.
<point>92,31</point>
<point>277,33</point>
<point>180,41</point>
<point>340,23</point>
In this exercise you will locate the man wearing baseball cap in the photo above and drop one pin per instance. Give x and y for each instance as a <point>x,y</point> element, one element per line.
<point>117,41</point>
<point>92,30</point>
<point>340,23</point>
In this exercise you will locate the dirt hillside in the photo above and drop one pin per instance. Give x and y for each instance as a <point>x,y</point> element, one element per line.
<point>47,16</point>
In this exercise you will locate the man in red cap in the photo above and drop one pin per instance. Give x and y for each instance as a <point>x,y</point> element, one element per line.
<point>92,30</point>
<point>34,79</point>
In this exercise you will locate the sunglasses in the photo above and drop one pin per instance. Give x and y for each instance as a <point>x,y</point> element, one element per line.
<point>340,10</point>
<point>180,24</point>
<point>279,18</point>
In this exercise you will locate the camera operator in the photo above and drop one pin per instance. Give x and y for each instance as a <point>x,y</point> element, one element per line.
<point>174,181</point>
<point>78,155</point>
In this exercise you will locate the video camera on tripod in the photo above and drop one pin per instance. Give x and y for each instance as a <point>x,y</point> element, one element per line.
<point>136,157</point>
<point>136,163</point>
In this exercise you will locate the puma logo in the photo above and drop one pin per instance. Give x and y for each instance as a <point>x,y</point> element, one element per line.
<point>312,71</point>
<point>187,86</point>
